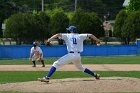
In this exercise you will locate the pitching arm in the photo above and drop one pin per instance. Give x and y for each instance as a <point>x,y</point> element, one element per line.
<point>53,37</point>
<point>91,36</point>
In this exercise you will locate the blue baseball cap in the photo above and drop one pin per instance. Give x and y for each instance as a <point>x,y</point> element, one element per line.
<point>73,28</point>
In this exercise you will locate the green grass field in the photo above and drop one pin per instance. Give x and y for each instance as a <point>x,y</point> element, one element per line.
<point>85,60</point>
<point>22,76</point>
<point>10,92</point>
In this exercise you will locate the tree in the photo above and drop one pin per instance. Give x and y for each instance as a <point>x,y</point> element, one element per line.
<point>43,21</point>
<point>101,7</point>
<point>6,9</point>
<point>22,27</point>
<point>96,25</point>
<point>9,7</point>
<point>19,27</point>
<point>59,22</point>
<point>76,19</point>
<point>131,27</point>
<point>134,5</point>
<point>87,23</point>
<point>119,22</point>
<point>1,34</point>
<point>26,27</point>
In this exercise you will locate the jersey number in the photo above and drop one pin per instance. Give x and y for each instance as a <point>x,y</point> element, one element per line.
<point>74,41</point>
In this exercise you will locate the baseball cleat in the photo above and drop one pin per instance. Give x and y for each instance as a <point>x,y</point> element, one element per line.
<point>43,65</point>
<point>97,76</point>
<point>44,79</point>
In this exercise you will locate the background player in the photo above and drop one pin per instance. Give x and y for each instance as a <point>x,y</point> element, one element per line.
<point>74,43</point>
<point>36,54</point>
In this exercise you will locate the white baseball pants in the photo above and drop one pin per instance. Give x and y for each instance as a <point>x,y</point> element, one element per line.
<point>75,58</point>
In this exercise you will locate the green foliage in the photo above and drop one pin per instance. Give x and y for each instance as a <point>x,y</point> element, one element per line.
<point>9,7</point>
<point>98,31</point>
<point>43,21</point>
<point>53,11</point>
<point>134,5</point>
<point>59,22</point>
<point>6,9</point>
<point>131,27</point>
<point>119,22</point>
<point>67,5</point>
<point>26,5</point>
<point>87,23</point>
<point>127,22</point>
<point>21,27</point>
<point>101,7</point>
<point>1,33</point>
<point>77,17</point>
<point>26,27</point>
<point>92,5</point>
<point>70,15</point>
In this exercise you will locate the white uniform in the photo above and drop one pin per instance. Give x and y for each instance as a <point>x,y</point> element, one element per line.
<point>36,53</point>
<point>74,43</point>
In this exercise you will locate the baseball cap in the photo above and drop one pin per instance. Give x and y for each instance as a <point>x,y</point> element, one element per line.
<point>35,43</point>
<point>73,28</point>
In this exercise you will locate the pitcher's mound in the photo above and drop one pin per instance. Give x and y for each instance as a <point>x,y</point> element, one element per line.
<point>77,85</point>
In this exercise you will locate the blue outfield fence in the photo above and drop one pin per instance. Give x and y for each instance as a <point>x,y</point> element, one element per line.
<point>23,51</point>
<point>138,46</point>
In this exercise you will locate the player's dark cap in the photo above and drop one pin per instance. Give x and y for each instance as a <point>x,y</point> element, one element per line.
<point>72,28</point>
<point>34,44</point>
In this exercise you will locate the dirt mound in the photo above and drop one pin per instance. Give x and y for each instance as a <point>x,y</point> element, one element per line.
<point>77,85</point>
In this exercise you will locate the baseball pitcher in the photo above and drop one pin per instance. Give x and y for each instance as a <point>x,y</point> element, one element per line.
<point>74,43</point>
<point>36,54</point>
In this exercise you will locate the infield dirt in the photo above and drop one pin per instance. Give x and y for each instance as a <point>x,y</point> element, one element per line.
<point>77,85</point>
<point>71,67</point>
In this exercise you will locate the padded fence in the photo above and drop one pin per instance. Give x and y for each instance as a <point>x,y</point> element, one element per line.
<point>138,46</point>
<point>23,51</point>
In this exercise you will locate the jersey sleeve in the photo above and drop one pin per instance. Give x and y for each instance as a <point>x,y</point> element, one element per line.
<point>84,36</point>
<point>63,36</point>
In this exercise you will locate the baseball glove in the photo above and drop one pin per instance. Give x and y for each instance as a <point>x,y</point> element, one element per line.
<point>30,59</point>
